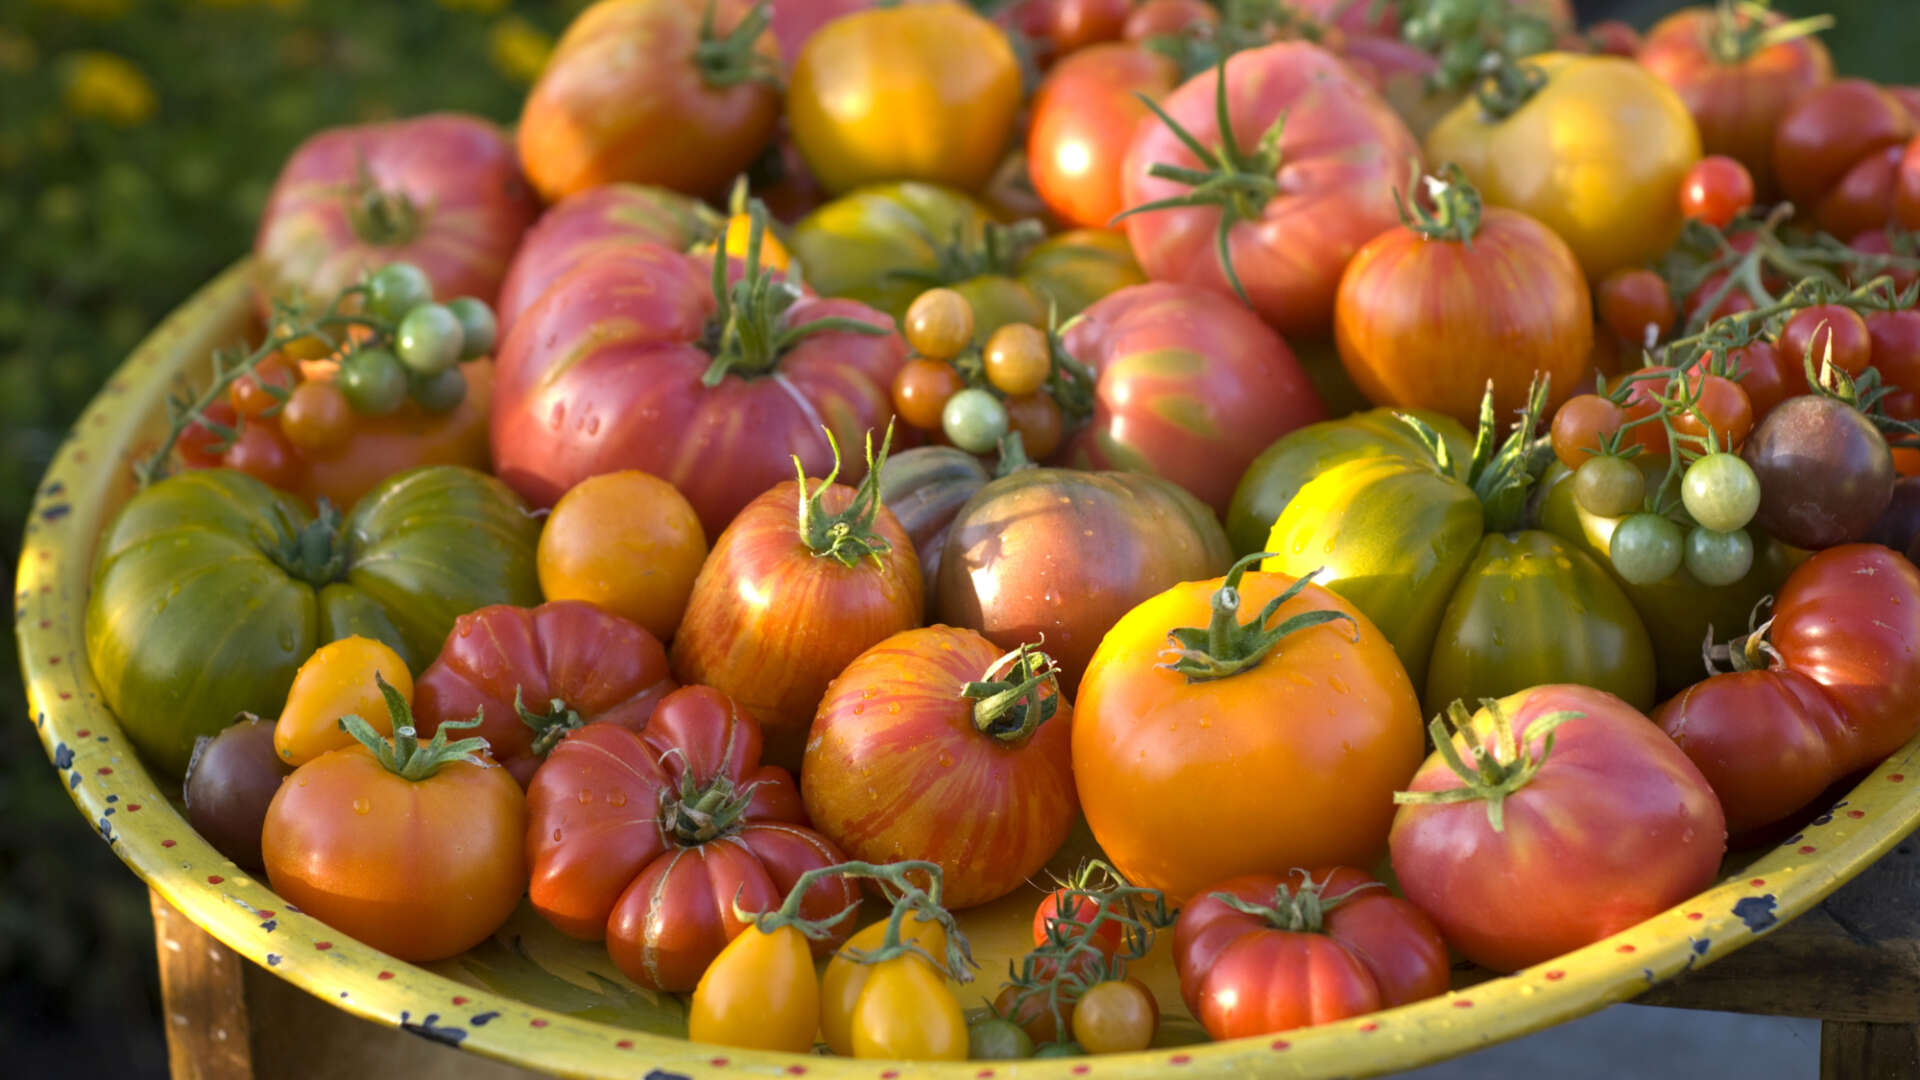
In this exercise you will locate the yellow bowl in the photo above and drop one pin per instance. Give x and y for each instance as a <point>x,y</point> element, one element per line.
<point>540,1000</point>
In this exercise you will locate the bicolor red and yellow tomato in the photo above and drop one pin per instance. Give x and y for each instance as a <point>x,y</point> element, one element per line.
<point>1084,117</point>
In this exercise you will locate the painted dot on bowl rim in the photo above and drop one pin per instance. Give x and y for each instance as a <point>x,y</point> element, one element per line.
<point>323,946</point>
<point>459,999</point>
<point>133,808</point>
<point>1807,849</point>
<point>796,1070</point>
<point>1463,1003</point>
<point>83,733</point>
<point>1627,948</point>
<point>890,1074</point>
<point>1856,814</point>
<point>1179,1059</point>
<point>1082,1070</point>
<point>1369,1027</point>
<point>984,1074</point>
<point>1556,975</point>
<point>1279,1044</point>
<point>264,913</point>
<point>1695,915</point>
<point>1896,777</point>
<point>105,770</point>
<point>214,879</point>
<point>718,1063</point>
<point>168,842</point>
<point>624,1044</point>
<point>538,1021</point>
<point>384,976</point>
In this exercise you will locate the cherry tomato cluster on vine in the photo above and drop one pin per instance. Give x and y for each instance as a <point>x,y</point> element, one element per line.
<point>974,401</point>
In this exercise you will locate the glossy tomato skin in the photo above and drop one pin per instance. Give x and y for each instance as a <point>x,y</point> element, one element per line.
<point>1342,152</point>
<point>420,870</point>
<point>598,665</point>
<point>1425,323</point>
<point>1058,28</point>
<point>659,891</point>
<point>796,21</point>
<point>1836,154</point>
<point>1191,386</point>
<point>936,70</point>
<point>1736,102</point>
<point>760,993</point>
<point>1084,117</point>
<point>600,218</point>
<point>1616,203</point>
<point>771,623</point>
<point>1133,534</point>
<point>1849,619</point>
<point>597,115</point>
<point>925,488</point>
<point>1187,784</point>
<point>604,373</point>
<point>409,437</point>
<point>1616,826</point>
<point>1768,741</point>
<point>861,245</point>
<point>896,769</point>
<point>191,620</point>
<point>453,203</point>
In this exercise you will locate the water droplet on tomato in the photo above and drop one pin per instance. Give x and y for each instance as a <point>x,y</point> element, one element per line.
<point>945,759</point>
<point>593,425</point>
<point>868,692</point>
<point>362,806</point>
<point>556,836</point>
<point>893,708</point>
<point>616,798</point>
<point>1338,685</point>
<point>585,796</point>
<point>558,416</point>
<point>858,709</point>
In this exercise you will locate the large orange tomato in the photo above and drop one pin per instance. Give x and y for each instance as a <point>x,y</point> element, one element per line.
<point>1277,741</point>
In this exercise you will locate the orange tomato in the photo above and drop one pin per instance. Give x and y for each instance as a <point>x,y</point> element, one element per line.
<point>628,542</point>
<point>336,681</point>
<point>404,439</point>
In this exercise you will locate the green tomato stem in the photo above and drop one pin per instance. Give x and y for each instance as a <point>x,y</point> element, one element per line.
<point>1494,773</point>
<point>403,755</point>
<point>848,536</point>
<point>1010,702</point>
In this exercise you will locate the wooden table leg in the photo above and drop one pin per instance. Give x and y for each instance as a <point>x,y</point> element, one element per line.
<point>1850,1051</point>
<point>203,986</point>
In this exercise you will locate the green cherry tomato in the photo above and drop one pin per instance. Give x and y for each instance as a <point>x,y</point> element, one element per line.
<point>429,339</point>
<point>1059,1049</point>
<point>1609,486</point>
<point>440,393</point>
<point>1721,492</point>
<point>1646,548</point>
<point>396,289</point>
<point>974,420</point>
<point>995,1039</point>
<point>374,381</point>
<point>1719,558</point>
<point>479,331</point>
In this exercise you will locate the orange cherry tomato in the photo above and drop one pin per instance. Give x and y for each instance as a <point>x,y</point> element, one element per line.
<point>1018,359</point>
<point>198,443</point>
<point>1579,426</point>
<point>254,394</point>
<point>939,324</point>
<point>1039,422</point>
<point>628,542</point>
<point>262,452</point>
<point>317,418</point>
<point>336,681</point>
<point>1722,406</point>
<point>921,390</point>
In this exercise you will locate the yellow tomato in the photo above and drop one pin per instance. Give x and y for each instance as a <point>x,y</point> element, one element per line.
<point>773,254</point>
<point>845,979</point>
<point>1597,154</point>
<point>628,542</point>
<point>336,681</point>
<point>906,1013</point>
<point>913,92</point>
<point>760,993</point>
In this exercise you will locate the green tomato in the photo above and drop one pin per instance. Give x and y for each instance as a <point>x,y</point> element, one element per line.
<point>479,330</point>
<point>1646,548</point>
<point>974,420</point>
<point>374,381</point>
<point>430,339</point>
<point>440,393</point>
<point>1721,492</point>
<point>396,289</point>
<point>995,1039</point>
<point>1059,1049</point>
<point>1609,486</point>
<point>1719,558</point>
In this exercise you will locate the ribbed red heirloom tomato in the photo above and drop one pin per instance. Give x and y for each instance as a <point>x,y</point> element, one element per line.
<point>442,191</point>
<point>1585,820</point>
<point>1191,386</point>
<point>1318,947</point>
<point>804,580</point>
<point>1836,154</point>
<point>1849,619</point>
<point>535,674</point>
<point>648,839</point>
<point>633,360</point>
<point>936,745</point>
<point>1084,117</point>
<point>1431,311</point>
<point>1769,741</point>
<point>1303,206</point>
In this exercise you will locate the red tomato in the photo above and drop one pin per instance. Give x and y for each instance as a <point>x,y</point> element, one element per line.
<point>606,372</point>
<point>1720,405</point>
<point>253,394</point>
<point>1896,347</point>
<point>605,218</point>
<point>1156,17</point>
<point>1581,424</point>
<point>1107,937</point>
<point>1849,619</point>
<point>1192,386</point>
<point>1244,974</point>
<point>1611,37</point>
<point>198,443</point>
<point>1811,332</point>
<point>1716,190</point>
<point>443,192</point>
<point>1616,825</point>
<point>1837,151</point>
<point>265,453</point>
<point>1878,242</point>
<point>1058,28</point>
<point>1768,741</point>
<point>1340,153</point>
<point>649,839</point>
<point>1765,376</point>
<point>901,765</point>
<point>1636,305</point>
<point>1737,87</point>
<point>794,21</point>
<point>778,611</point>
<point>598,115</point>
<point>534,674</point>
<point>1084,117</point>
<point>1428,321</point>
<point>1906,186</point>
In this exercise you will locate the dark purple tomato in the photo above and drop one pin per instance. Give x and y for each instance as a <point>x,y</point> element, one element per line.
<point>1899,527</point>
<point>1826,474</point>
<point>230,780</point>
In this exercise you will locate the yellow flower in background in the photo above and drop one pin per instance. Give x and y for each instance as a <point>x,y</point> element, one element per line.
<point>518,48</point>
<point>103,86</point>
<point>17,52</point>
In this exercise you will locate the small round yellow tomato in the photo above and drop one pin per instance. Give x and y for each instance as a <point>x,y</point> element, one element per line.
<point>1597,154</point>
<point>906,1013</point>
<point>760,993</point>
<point>336,681</point>
<point>845,979</point>
<point>1018,359</point>
<point>913,92</point>
<point>939,324</point>
<point>1116,1017</point>
<point>628,542</point>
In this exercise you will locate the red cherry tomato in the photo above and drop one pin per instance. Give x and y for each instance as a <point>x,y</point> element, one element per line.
<point>1765,377</point>
<point>1631,300</point>
<point>1157,17</point>
<point>1579,426</point>
<point>1896,347</point>
<point>1106,937</point>
<point>198,442</point>
<point>1816,329</point>
<point>265,454</point>
<point>253,394</point>
<point>1719,404</point>
<point>1716,190</point>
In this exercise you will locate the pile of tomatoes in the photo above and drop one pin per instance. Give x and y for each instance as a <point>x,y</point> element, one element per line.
<point>1300,440</point>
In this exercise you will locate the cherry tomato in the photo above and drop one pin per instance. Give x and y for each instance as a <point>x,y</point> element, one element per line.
<point>479,329</point>
<point>317,417</point>
<point>440,393</point>
<point>1896,347</point>
<point>1018,359</point>
<point>628,542</point>
<point>760,993</point>
<point>199,444</point>
<point>1580,425</point>
<point>1637,306</point>
<point>1716,190</point>
<point>1156,17</point>
<point>1646,548</point>
<point>1039,422</point>
<point>974,420</point>
<point>1115,1017</point>
<point>1719,558</point>
<point>264,389</point>
<point>1032,1015</point>
<point>1765,377</point>
<point>1721,492</point>
<point>374,380</point>
<point>1720,406</point>
<point>1826,473</point>
<point>396,289</point>
<point>230,782</point>
<point>264,453</point>
<point>1106,937</point>
<point>1609,486</point>
<point>939,324</point>
<point>921,390</point>
<point>1813,331</point>
<point>995,1039</point>
<point>429,339</point>
<point>336,681</point>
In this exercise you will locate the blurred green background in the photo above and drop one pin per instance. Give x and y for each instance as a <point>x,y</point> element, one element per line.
<point>138,139</point>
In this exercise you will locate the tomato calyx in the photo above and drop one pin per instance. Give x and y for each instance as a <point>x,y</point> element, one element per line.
<point>1501,478</point>
<point>1237,182</point>
<point>1742,30</point>
<point>1506,84</point>
<point>1079,952</point>
<point>1226,646</point>
<point>314,554</point>
<point>696,815</point>
<point>730,59</point>
<point>1495,772</point>
<point>1751,651</point>
<point>381,217</point>
<point>1457,207</point>
<point>548,727</point>
<point>901,880</point>
<point>849,535</point>
<point>1009,703</point>
<point>1302,909</point>
<point>403,755</point>
<point>997,249</point>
